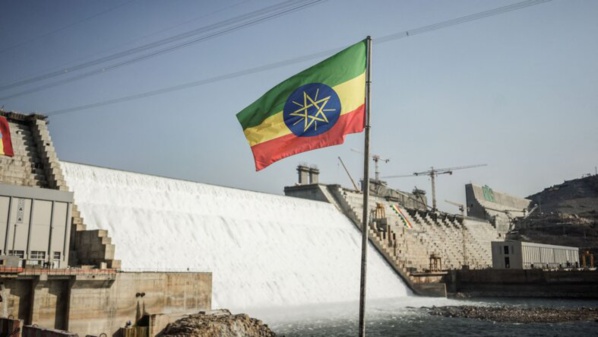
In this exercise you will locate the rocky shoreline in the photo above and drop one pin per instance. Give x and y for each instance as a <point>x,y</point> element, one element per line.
<point>510,314</point>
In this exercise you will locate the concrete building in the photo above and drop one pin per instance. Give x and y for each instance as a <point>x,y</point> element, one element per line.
<point>529,255</point>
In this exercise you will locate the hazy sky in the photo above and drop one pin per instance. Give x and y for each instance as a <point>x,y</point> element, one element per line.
<point>517,91</point>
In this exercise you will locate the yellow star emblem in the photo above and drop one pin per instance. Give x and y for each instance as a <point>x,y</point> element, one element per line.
<point>315,105</point>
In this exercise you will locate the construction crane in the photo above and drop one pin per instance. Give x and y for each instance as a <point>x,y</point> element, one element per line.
<point>349,174</point>
<point>376,158</point>
<point>463,235</point>
<point>461,206</point>
<point>525,212</point>
<point>432,173</point>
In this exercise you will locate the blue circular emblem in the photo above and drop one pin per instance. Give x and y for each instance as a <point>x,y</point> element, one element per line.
<point>311,110</point>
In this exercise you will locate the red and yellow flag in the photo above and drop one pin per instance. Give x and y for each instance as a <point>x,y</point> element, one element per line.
<point>5,142</point>
<point>313,109</point>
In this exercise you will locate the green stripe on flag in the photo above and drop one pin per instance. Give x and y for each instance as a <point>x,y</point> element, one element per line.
<point>339,68</point>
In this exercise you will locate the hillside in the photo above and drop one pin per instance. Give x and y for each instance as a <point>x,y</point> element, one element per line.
<point>567,215</point>
<point>579,196</point>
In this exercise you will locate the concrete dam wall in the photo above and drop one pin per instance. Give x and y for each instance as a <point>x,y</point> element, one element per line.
<point>263,250</point>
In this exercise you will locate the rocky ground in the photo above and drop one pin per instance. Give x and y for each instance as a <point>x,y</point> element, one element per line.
<point>220,323</point>
<point>509,314</point>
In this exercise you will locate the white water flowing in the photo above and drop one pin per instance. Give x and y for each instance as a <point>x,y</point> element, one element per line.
<point>263,250</point>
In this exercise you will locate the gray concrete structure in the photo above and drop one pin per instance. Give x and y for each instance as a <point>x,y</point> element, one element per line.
<point>92,301</point>
<point>410,237</point>
<point>523,283</point>
<point>529,255</point>
<point>498,208</point>
<point>309,187</point>
<point>35,225</point>
<point>36,165</point>
<point>308,175</point>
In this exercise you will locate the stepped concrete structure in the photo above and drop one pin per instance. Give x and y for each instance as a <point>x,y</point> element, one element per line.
<point>35,164</point>
<point>420,245</point>
<point>58,274</point>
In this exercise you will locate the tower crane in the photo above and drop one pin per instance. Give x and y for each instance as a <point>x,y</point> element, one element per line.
<point>432,173</point>
<point>376,158</point>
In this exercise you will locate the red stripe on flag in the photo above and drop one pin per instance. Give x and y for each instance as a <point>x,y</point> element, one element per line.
<point>271,151</point>
<point>5,139</point>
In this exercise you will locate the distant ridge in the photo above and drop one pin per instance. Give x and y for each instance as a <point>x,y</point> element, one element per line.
<point>578,196</point>
<point>567,214</point>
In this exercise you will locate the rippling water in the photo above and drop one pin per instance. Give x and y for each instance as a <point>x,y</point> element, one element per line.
<point>409,317</point>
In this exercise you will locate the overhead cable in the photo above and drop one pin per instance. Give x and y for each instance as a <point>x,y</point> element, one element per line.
<point>382,40</point>
<point>64,27</point>
<point>219,28</point>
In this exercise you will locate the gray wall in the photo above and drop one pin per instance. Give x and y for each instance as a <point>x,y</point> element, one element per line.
<point>523,283</point>
<point>91,302</point>
<point>36,223</point>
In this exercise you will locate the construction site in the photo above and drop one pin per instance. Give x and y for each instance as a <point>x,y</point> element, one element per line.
<point>85,249</point>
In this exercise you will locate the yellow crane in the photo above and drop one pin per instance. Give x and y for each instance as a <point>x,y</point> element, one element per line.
<point>432,173</point>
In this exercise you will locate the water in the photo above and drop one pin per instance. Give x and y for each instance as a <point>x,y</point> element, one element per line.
<point>408,317</point>
<point>262,249</point>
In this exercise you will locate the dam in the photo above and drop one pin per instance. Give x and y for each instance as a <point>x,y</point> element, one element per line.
<point>263,250</point>
<point>87,249</point>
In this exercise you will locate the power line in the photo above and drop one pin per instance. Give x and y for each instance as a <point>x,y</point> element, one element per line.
<point>462,19</point>
<point>65,27</point>
<point>219,28</point>
<point>68,69</point>
<point>192,84</point>
<point>384,39</point>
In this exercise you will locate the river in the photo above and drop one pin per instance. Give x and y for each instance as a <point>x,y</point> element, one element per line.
<point>408,317</point>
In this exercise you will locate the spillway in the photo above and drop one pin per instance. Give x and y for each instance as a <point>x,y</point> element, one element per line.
<point>263,250</point>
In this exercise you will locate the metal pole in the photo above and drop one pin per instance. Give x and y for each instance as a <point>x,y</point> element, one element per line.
<point>366,191</point>
<point>432,177</point>
<point>14,237</point>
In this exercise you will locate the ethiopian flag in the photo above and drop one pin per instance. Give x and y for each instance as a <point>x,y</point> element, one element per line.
<point>5,143</point>
<point>313,109</point>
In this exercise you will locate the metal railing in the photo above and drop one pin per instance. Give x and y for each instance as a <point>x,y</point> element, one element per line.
<point>57,271</point>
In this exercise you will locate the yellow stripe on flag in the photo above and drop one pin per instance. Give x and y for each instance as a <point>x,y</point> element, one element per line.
<point>350,93</point>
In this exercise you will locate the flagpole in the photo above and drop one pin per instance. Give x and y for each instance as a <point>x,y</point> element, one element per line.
<point>366,191</point>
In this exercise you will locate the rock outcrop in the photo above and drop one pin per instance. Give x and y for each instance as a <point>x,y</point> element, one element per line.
<point>218,323</point>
